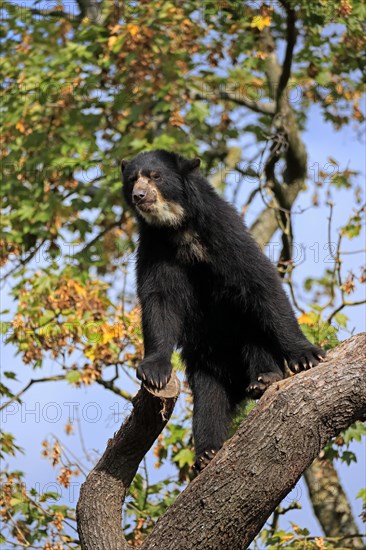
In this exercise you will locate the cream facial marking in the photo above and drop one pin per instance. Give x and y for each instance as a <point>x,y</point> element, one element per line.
<point>154,208</point>
<point>163,213</point>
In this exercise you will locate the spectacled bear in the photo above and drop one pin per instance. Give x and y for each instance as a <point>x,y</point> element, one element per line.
<point>206,287</point>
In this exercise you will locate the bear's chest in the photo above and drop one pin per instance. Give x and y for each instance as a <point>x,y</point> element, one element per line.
<point>189,247</point>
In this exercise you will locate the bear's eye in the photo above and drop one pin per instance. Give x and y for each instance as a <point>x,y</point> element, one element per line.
<point>133,177</point>
<point>154,175</point>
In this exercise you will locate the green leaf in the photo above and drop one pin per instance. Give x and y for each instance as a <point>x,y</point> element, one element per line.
<point>4,326</point>
<point>341,319</point>
<point>73,376</point>
<point>348,457</point>
<point>354,432</point>
<point>184,457</point>
<point>9,374</point>
<point>49,495</point>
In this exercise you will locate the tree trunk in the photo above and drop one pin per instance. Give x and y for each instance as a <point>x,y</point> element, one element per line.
<point>228,503</point>
<point>330,502</point>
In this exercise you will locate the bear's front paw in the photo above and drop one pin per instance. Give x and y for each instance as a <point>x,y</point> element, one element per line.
<point>154,373</point>
<point>305,358</point>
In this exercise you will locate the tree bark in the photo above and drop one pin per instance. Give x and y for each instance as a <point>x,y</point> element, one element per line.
<point>99,509</point>
<point>227,504</point>
<point>330,502</point>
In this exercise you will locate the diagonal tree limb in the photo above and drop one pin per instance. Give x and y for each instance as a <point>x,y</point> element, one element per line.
<point>227,505</point>
<point>252,104</point>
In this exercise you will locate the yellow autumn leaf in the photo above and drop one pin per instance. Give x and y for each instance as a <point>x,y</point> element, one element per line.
<point>257,82</point>
<point>108,333</point>
<point>79,289</point>
<point>133,29</point>
<point>91,353</point>
<point>260,22</point>
<point>305,319</point>
<point>111,41</point>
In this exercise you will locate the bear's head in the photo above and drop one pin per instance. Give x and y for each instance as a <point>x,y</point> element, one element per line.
<point>154,186</point>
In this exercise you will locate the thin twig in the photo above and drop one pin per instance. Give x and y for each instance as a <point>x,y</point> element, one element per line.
<point>108,384</point>
<point>342,305</point>
<point>101,234</point>
<point>24,261</point>
<point>256,106</point>
<point>81,436</point>
<point>30,383</point>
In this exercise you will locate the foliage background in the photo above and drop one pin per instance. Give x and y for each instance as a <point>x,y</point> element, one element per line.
<point>84,89</point>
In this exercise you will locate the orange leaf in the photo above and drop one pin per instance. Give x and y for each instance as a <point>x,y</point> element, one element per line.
<point>20,126</point>
<point>305,319</point>
<point>133,29</point>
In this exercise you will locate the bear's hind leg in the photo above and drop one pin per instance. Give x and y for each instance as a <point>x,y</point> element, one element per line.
<point>263,370</point>
<point>211,416</point>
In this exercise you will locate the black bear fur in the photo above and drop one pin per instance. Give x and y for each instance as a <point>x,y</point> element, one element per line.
<point>206,287</point>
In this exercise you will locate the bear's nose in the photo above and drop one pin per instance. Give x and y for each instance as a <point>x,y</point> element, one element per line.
<point>138,194</point>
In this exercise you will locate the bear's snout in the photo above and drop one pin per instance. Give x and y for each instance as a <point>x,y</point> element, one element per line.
<point>139,193</point>
<point>143,193</point>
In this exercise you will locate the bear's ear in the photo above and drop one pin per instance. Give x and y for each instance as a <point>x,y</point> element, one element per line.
<point>190,166</point>
<point>123,165</point>
<point>194,164</point>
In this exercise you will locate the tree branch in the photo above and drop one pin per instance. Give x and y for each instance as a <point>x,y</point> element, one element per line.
<point>267,222</point>
<point>291,41</point>
<point>99,508</point>
<point>256,106</point>
<point>109,385</point>
<point>58,14</point>
<point>17,396</point>
<point>227,505</point>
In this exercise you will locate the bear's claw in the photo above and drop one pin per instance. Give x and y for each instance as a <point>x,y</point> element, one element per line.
<point>203,460</point>
<point>256,389</point>
<point>307,359</point>
<point>155,375</point>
